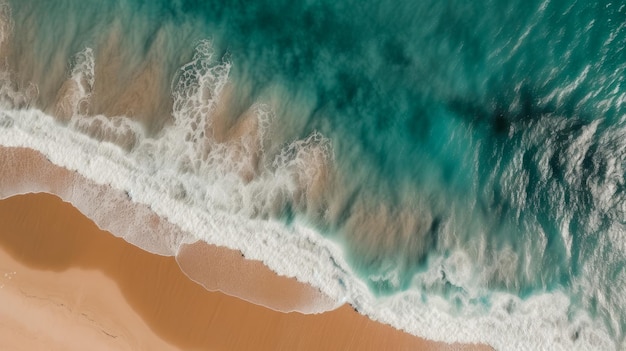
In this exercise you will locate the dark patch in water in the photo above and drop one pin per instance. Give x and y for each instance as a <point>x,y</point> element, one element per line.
<point>500,123</point>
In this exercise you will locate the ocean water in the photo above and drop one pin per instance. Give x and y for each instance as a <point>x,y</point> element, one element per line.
<point>455,169</point>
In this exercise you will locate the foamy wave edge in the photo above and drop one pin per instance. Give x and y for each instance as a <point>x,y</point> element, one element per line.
<point>299,251</point>
<point>295,251</point>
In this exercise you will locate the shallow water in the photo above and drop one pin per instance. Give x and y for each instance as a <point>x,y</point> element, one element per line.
<point>448,168</point>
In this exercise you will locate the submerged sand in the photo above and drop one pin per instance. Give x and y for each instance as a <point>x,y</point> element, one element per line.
<point>67,284</point>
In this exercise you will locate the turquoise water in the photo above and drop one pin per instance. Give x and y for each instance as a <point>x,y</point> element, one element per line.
<point>478,148</point>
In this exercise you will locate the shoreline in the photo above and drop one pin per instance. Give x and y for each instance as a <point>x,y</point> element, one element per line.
<point>48,236</point>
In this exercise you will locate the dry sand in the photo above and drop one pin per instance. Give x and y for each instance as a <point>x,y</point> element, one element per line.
<point>67,284</point>
<point>75,309</point>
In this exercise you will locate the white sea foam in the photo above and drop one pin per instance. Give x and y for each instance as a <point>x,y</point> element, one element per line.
<point>185,176</point>
<point>83,78</point>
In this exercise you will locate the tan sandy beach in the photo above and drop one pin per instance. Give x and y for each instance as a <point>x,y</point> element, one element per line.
<point>67,284</point>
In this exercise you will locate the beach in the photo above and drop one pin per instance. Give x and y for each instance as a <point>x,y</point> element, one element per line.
<point>201,174</point>
<point>71,284</point>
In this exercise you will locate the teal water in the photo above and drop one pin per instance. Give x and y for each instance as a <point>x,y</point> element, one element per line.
<point>495,121</point>
<point>494,131</point>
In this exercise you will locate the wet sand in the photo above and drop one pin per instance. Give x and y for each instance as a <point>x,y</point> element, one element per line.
<point>57,249</point>
<point>221,269</point>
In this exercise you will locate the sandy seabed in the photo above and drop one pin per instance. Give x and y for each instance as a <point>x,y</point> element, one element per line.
<point>67,285</point>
